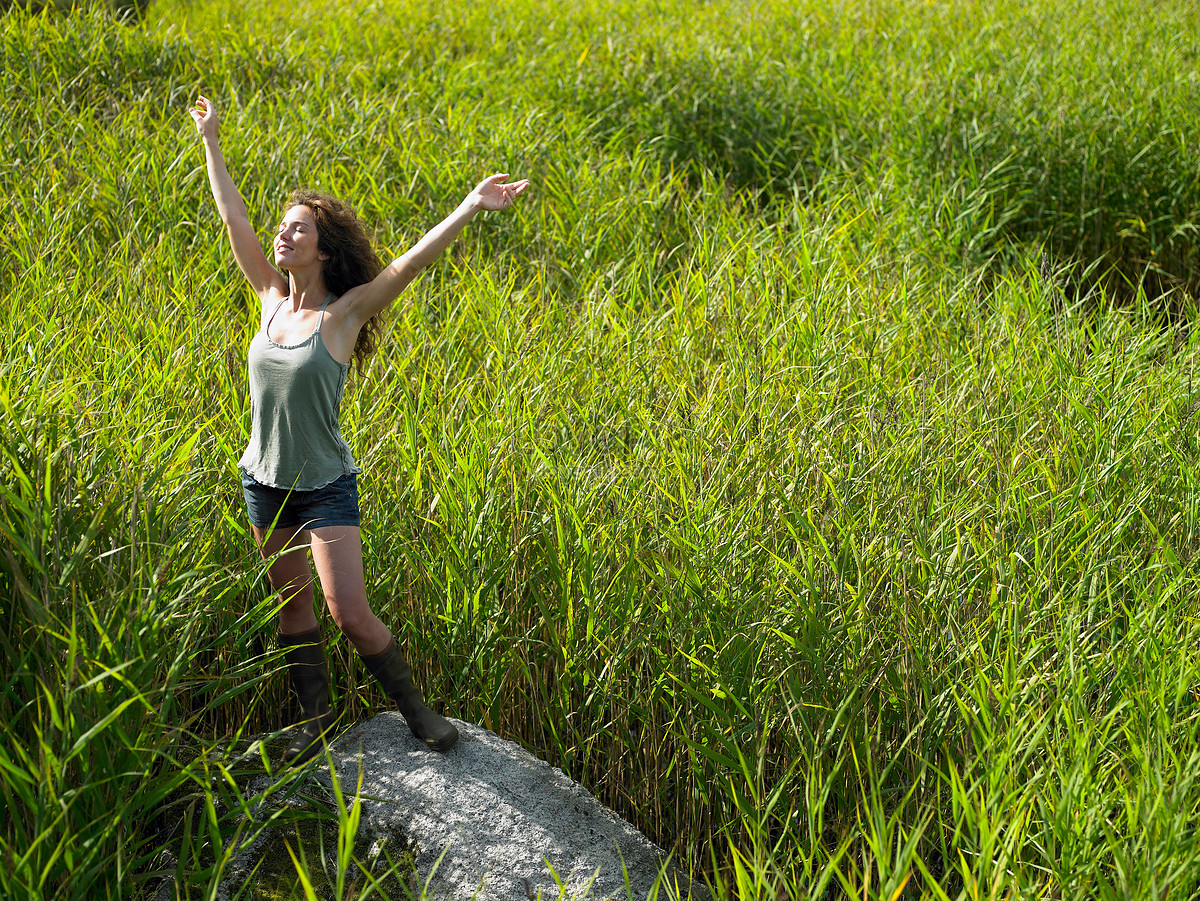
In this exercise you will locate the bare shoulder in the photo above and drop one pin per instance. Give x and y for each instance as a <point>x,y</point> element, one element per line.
<point>348,304</point>
<point>271,297</point>
<point>276,287</point>
<point>340,327</point>
<point>365,300</point>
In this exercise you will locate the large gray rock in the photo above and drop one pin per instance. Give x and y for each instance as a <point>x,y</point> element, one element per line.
<point>489,820</point>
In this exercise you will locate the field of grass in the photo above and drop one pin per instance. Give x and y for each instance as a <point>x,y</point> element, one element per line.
<point>808,466</point>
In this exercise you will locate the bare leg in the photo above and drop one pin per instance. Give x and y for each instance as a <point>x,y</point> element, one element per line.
<point>337,555</point>
<point>291,576</point>
<point>299,637</point>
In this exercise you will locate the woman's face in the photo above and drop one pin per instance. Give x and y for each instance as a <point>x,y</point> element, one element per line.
<point>296,239</point>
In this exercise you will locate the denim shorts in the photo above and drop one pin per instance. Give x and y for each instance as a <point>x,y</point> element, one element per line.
<point>334,505</point>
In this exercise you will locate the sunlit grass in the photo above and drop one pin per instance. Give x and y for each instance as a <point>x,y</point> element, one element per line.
<point>768,470</point>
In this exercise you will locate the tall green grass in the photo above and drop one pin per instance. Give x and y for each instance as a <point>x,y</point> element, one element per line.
<point>761,470</point>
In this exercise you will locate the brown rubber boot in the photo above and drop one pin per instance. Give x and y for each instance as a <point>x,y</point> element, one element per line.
<point>395,676</point>
<point>305,656</point>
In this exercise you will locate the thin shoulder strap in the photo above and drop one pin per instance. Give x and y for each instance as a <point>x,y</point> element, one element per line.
<point>321,312</point>
<point>267,330</point>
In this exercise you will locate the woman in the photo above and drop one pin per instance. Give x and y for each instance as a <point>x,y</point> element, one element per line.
<point>320,312</point>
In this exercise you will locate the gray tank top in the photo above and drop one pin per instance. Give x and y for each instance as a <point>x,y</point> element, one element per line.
<point>295,399</point>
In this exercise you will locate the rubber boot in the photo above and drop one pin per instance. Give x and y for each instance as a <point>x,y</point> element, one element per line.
<point>394,674</point>
<point>305,656</point>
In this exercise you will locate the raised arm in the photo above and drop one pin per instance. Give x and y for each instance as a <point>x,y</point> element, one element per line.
<point>493,193</point>
<point>246,249</point>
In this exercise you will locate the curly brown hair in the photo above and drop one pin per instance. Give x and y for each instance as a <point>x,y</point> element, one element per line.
<point>352,260</point>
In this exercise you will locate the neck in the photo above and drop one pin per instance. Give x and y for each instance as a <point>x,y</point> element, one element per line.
<point>306,288</point>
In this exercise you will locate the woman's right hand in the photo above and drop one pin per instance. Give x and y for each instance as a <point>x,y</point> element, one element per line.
<point>205,116</point>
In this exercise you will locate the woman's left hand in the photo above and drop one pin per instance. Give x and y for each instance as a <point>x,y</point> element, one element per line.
<point>493,193</point>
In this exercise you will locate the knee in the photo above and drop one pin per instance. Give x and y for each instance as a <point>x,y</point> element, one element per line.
<point>355,623</point>
<point>297,596</point>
